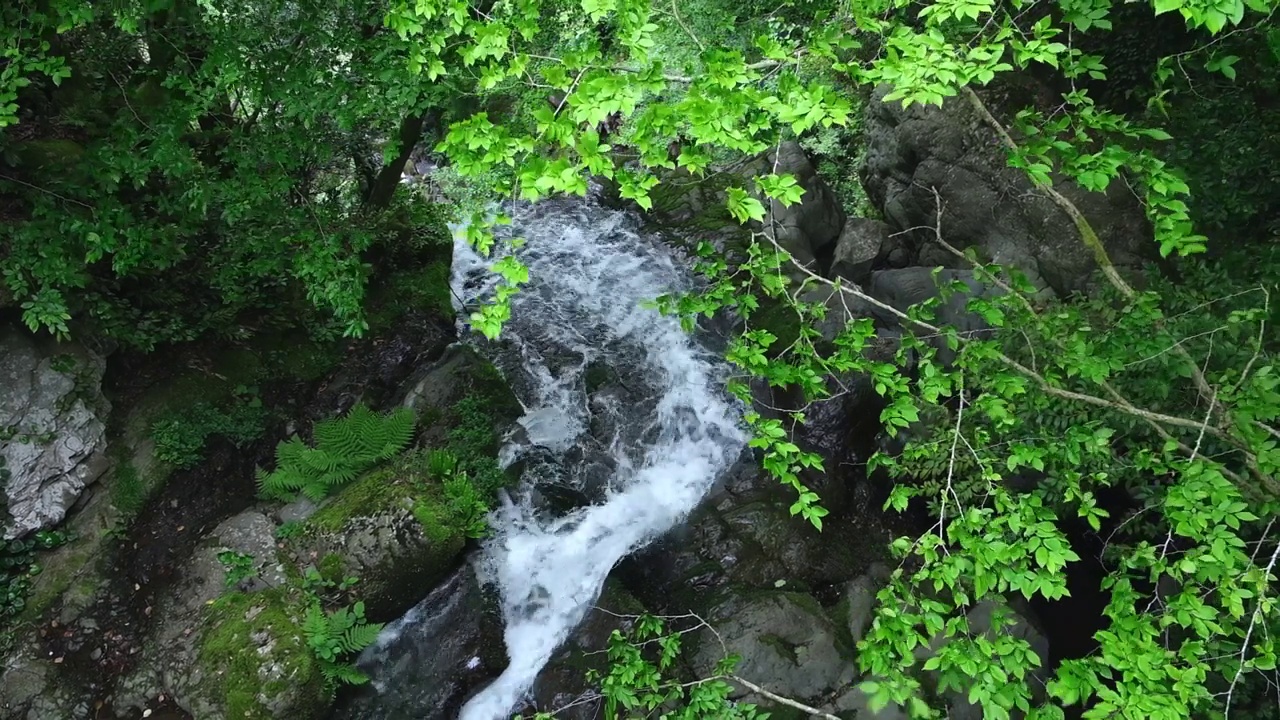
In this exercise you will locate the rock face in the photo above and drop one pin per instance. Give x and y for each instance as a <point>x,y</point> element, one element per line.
<point>194,655</point>
<point>985,203</point>
<point>52,435</point>
<point>427,664</point>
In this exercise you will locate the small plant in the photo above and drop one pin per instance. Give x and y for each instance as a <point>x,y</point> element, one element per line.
<point>128,493</point>
<point>18,568</point>
<point>238,566</point>
<point>344,448</point>
<point>336,636</point>
<point>315,582</point>
<point>441,463</point>
<point>466,505</point>
<point>291,529</point>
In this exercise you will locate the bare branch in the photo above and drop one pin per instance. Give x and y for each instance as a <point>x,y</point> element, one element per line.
<point>815,712</point>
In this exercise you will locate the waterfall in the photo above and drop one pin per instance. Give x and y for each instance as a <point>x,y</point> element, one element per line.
<point>664,445</point>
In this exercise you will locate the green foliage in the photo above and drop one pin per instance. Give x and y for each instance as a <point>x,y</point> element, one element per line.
<point>18,568</point>
<point>158,199</point>
<point>180,436</point>
<point>238,566</point>
<point>1125,392</point>
<point>837,153</point>
<point>644,679</point>
<point>344,448</point>
<point>290,529</point>
<point>336,636</point>
<point>234,182</point>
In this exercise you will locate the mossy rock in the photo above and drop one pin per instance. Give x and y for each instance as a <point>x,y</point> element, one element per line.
<point>374,530</point>
<point>422,289</point>
<point>254,659</point>
<point>399,528</point>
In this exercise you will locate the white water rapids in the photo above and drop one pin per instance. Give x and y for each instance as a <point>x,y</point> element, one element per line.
<point>664,445</point>
<point>590,274</point>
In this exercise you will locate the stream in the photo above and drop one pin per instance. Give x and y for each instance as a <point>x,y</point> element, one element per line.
<point>626,428</point>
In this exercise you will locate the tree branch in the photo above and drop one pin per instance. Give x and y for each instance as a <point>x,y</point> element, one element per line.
<point>815,712</point>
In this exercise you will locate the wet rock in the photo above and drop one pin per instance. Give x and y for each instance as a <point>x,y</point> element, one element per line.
<point>990,619</point>
<point>52,436</point>
<point>431,660</point>
<point>786,644</point>
<point>381,540</point>
<point>561,687</point>
<point>902,288</point>
<point>856,704</point>
<point>860,600</point>
<point>985,203</point>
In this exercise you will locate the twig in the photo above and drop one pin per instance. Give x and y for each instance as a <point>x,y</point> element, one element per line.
<point>49,192</point>
<point>815,712</point>
<point>1253,623</point>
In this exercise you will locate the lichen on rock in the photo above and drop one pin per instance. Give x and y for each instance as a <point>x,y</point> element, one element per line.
<point>52,430</point>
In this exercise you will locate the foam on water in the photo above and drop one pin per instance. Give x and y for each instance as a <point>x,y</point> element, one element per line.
<point>591,273</point>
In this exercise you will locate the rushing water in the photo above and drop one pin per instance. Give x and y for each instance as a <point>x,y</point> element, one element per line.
<point>664,441</point>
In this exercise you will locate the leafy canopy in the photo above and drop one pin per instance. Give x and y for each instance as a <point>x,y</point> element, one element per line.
<point>1126,393</point>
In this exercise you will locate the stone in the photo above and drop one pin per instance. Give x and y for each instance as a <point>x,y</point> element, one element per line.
<point>864,244</point>
<point>807,229</point>
<point>913,152</point>
<point>427,663</point>
<point>857,704</point>
<point>860,600</point>
<point>786,644</point>
<point>904,287</point>
<point>52,434</point>
<point>173,660</point>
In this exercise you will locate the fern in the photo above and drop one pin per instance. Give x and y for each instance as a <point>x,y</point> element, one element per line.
<point>335,637</point>
<point>344,448</point>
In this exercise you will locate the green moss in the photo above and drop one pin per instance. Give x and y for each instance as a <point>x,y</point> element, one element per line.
<point>296,355</point>
<point>780,646</point>
<point>128,493</point>
<point>253,647</point>
<point>332,567</point>
<point>373,493</point>
<point>424,288</point>
<point>73,574</point>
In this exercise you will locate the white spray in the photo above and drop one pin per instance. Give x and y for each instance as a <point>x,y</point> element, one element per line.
<point>591,274</point>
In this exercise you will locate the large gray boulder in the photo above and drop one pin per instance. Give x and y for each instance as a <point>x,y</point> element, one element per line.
<point>904,287</point>
<point>807,229</point>
<point>786,643</point>
<point>991,619</point>
<point>52,434</point>
<point>183,660</point>
<point>864,245</point>
<point>985,203</point>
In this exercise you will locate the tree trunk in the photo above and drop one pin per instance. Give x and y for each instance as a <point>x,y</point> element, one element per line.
<point>383,188</point>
